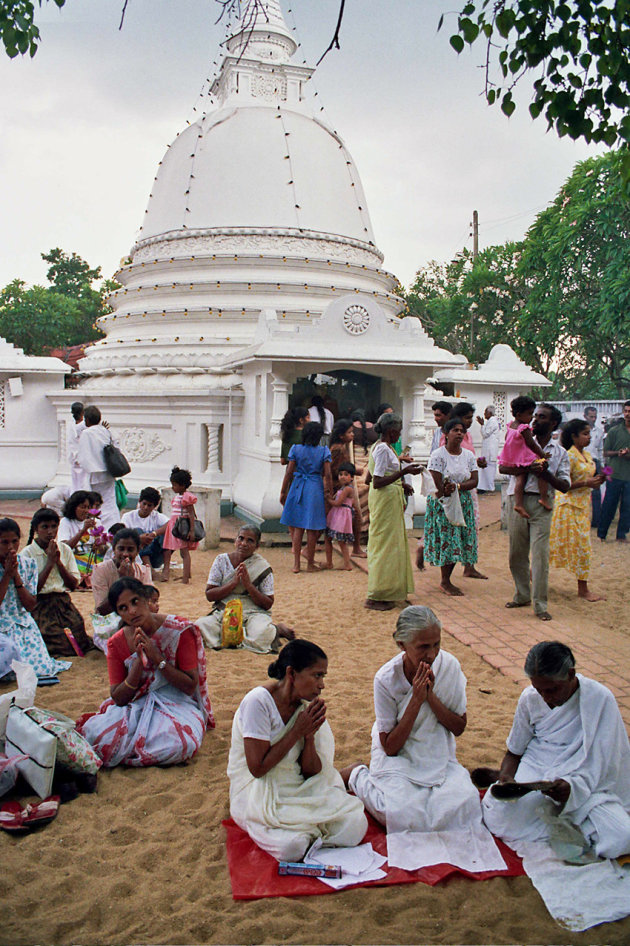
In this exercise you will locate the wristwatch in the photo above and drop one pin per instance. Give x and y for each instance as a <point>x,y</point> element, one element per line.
<point>162,664</point>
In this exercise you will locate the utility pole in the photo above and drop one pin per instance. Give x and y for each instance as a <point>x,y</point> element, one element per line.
<point>475,235</point>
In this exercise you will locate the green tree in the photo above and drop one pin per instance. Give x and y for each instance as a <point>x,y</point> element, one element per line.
<point>40,318</point>
<point>469,306</point>
<point>575,51</point>
<point>561,298</point>
<point>576,258</point>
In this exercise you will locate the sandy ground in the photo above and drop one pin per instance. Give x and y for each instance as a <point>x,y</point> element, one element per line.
<point>143,860</point>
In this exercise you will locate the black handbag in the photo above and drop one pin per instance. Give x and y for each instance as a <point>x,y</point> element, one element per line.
<point>181,530</point>
<point>116,462</point>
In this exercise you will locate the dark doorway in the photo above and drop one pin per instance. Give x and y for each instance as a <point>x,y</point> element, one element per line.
<point>343,392</point>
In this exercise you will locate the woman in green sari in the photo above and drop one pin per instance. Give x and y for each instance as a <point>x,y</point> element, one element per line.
<point>390,577</point>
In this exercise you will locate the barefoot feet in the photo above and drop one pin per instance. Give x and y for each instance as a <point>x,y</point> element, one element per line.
<point>451,590</point>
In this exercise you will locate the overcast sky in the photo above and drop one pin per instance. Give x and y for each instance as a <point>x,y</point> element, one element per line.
<point>84,124</point>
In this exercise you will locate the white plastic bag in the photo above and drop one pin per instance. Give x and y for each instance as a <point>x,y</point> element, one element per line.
<point>24,695</point>
<point>452,507</point>
<point>428,487</point>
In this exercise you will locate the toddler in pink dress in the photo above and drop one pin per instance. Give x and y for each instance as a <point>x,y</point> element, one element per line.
<point>521,450</point>
<point>182,504</point>
<point>339,517</point>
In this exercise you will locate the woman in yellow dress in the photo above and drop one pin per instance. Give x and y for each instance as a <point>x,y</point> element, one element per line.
<point>570,539</point>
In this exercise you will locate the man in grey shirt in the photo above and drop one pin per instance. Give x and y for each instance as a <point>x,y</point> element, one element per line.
<point>529,538</point>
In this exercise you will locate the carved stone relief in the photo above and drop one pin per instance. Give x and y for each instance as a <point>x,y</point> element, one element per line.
<point>140,445</point>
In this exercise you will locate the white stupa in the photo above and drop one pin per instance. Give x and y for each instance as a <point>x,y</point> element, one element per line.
<point>255,275</point>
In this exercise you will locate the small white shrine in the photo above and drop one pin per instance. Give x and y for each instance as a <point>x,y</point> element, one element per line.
<point>255,281</point>
<point>495,382</point>
<point>25,380</point>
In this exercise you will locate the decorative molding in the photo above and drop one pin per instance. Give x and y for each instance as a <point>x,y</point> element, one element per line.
<point>2,404</point>
<point>63,439</point>
<point>499,400</point>
<point>214,461</point>
<point>140,445</point>
<point>307,243</point>
<point>269,87</point>
<point>356,319</point>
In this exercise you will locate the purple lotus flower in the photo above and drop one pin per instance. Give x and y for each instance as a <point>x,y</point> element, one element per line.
<point>607,471</point>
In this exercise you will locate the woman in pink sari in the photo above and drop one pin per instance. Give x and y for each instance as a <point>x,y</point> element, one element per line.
<point>159,707</point>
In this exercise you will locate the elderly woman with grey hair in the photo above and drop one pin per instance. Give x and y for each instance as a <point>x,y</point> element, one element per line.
<point>415,785</point>
<point>390,576</point>
<point>568,738</point>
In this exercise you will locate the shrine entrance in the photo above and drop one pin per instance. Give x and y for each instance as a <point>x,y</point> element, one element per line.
<point>343,392</point>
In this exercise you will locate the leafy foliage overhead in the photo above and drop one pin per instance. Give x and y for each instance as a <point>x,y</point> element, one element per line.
<point>19,33</point>
<point>577,51</point>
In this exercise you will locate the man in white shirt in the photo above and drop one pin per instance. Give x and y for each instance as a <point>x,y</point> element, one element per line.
<point>490,429</point>
<point>596,450</point>
<point>530,537</point>
<point>441,413</point>
<point>91,459</point>
<point>78,477</point>
<point>151,525</point>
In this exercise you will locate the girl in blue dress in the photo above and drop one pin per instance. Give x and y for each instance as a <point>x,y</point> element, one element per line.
<point>302,494</point>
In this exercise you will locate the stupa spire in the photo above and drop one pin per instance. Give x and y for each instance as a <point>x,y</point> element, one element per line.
<point>262,33</point>
<point>257,65</point>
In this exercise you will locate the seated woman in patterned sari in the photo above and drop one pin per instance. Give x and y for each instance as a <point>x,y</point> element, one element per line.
<point>159,708</point>
<point>20,637</point>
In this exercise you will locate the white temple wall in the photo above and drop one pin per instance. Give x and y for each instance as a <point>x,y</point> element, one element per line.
<point>28,429</point>
<point>200,432</point>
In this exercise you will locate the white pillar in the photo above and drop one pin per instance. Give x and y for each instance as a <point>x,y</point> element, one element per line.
<point>417,428</point>
<point>280,406</point>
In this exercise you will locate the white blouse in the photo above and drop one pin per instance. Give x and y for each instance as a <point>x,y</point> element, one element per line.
<point>385,459</point>
<point>259,716</point>
<point>457,466</point>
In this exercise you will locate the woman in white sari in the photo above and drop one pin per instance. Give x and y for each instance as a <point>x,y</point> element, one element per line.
<point>159,709</point>
<point>284,790</point>
<point>415,785</point>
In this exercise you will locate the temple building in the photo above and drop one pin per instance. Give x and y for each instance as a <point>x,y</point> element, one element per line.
<point>254,283</point>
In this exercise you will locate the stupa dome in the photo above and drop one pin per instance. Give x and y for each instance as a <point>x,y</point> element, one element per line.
<point>258,167</point>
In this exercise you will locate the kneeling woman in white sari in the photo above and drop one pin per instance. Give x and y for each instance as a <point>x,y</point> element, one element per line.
<point>159,707</point>
<point>415,785</point>
<point>284,790</point>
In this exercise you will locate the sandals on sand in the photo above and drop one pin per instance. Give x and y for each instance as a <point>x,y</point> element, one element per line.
<point>18,820</point>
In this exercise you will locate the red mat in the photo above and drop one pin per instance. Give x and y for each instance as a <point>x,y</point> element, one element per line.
<point>254,873</point>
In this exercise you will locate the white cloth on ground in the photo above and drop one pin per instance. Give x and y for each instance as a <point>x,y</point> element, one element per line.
<point>282,811</point>
<point>577,896</point>
<point>423,795</point>
<point>584,742</point>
